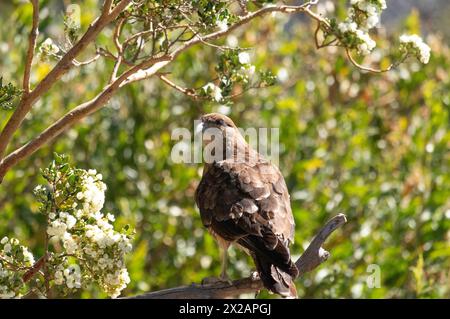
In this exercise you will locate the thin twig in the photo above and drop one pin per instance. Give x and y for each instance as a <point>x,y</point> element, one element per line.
<point>91,60</point>
<point>31,46</point>
<point>189,92</point>
<point>366,68</point>
<point>116,39</point>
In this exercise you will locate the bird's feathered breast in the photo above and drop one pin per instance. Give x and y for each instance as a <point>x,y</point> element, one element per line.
<point>238,199</point>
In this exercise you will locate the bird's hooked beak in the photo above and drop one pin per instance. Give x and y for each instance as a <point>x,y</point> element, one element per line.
<point>200,127</point>
<point>200,130</point>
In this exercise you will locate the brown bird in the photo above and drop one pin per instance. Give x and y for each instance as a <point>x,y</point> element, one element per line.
<point>243,200</point>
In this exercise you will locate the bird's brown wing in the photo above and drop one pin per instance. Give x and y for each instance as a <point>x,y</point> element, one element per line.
<point>248,203</point>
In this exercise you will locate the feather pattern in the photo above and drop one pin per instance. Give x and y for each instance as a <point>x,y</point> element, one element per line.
<point>248,204</point>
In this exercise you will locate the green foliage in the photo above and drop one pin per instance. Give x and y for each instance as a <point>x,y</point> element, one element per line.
<point>8,93</point>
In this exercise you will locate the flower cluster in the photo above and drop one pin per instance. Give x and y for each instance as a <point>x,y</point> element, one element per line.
<point>213,91</point>
<point>415,45</point>
<point>8,94</point>
<point>70,276</point>
<point>48,49</point>
<point>235,73</point>
<point>87,234</point>
<point>235,67</point>
<point>83,248</point>
<point>366,12</point>
<point>363,15</point>
<point>13,257</point>
<point>93,194</point>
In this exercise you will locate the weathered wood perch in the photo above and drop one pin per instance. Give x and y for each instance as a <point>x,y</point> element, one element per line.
<point>311,258</point>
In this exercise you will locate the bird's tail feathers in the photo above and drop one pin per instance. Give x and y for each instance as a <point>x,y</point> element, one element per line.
<point>275,279</point>
<point>274,265</point>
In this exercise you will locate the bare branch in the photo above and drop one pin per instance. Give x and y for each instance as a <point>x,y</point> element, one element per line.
<point>242,21</point>
<point>91,60</point>
<point>144,72</point>
<point>311,258</point>
<point>107,7</point>
<point>116,39</point>
<point>314,255</point>
<point>189,92</point>
<point>119,8</point>
<point>366,68</point>
<point>31,46</point>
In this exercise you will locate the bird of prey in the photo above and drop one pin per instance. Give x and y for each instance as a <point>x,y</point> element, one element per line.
<point>243,200</point>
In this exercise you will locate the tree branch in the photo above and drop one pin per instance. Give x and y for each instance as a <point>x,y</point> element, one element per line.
<point>107,7</point>
<point>31,46</point>
<point>188,92</point>
<point>311,258</point>
<point>69,119</point>
<point>138,72</point>
<point>64,65</point>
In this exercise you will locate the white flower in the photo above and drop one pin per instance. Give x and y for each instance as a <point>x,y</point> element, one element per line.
<point>347,26</point>
<point>59,278</point>
<point>417,46</point>
<point>52,215</point>
<point>93,194</point>
<point>367,14</point>
<point>216,92</point>
<point>4,240</point>
<point>372,21</point>
<point>70,221</point>
<point>117,282</point>
<point>367,44</point>
<point>222,24</point>
<point>7,248</point>
<point>244,58</point>
<point>49,47</point>
<point>73,276</point>
<point>283,75</point>
<point>56,228</point>
<point>27,256</point>
<point>69,244</point>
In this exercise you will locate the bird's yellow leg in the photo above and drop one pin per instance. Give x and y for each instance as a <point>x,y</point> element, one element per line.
<point>224,256</point>
<point>223,277</point>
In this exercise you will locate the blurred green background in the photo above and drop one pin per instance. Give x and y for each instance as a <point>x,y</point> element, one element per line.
<point>375,147</point>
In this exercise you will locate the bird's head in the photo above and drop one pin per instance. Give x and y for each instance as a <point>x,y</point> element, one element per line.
<point>219,132</point>
<point>217,120</point>
<point>217,126</point>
